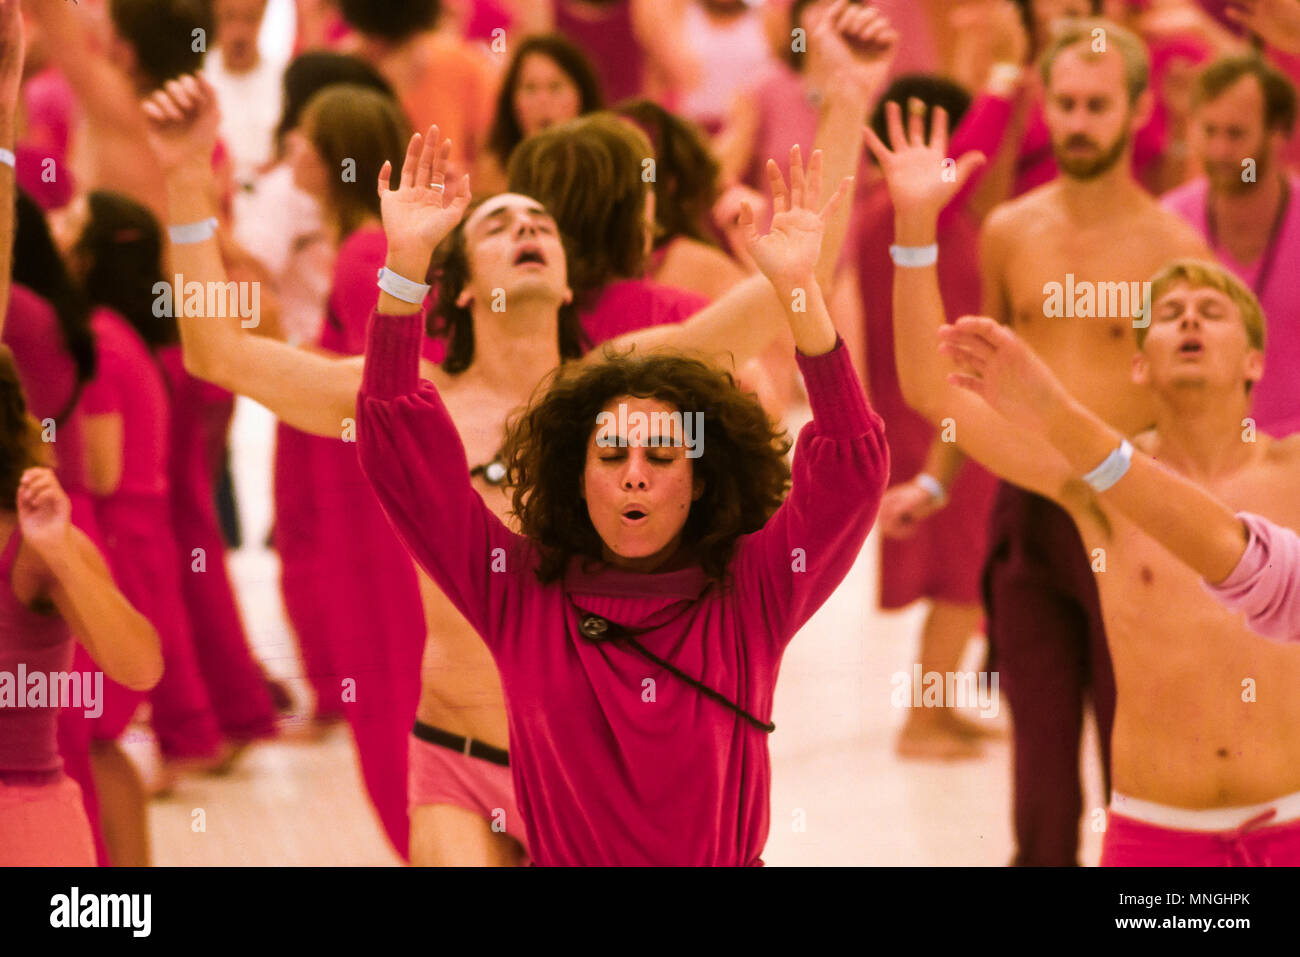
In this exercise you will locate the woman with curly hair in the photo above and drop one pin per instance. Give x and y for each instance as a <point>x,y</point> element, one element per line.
<point>639,620</point>
<point>505,272</point>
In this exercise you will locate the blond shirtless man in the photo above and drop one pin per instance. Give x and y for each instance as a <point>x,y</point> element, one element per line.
<point>1064,265</point>
<point>1206,747</point>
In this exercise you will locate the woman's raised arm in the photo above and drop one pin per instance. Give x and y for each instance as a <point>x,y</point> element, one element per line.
<point>311,392</point>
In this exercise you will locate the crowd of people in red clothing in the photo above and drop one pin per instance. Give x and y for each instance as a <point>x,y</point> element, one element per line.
<point>551,647</point>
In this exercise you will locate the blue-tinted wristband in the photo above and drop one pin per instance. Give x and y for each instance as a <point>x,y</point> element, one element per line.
<point>190,233</point>
<point>915,257</point>
<point>399,287</point>
<point>1112,469</point>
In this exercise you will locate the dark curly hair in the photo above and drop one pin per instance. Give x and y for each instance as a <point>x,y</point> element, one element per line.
<point>506,133</point>
<point>390,19</point>
<point>450,271</point>
<point>21,447</point>
<point>742,463</point>
<point>686,173</point>
<point>122,248</point>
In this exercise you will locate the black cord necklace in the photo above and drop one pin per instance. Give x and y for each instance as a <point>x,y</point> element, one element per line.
<point>598,629</point>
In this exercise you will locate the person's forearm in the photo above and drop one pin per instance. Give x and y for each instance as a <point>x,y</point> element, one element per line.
<point>809,320</point>
<point>740,325</point>
<point>117,637</point>
<point>944,461</point>
<point>839,137</point>
<point>205,340</point>
<point>1154,497</point>
<point>918,315</point>
<point>7,187</point>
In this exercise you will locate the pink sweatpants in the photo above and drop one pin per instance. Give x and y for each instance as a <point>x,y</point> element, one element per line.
<point>1132,843</point>
<point>44,825</point>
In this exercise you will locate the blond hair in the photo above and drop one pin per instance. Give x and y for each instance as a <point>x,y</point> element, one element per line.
<point>1200,274</point>
<point>1072,32</point>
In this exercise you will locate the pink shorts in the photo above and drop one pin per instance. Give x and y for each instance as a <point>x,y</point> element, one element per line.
<point>1253,842</point>
<point>439,775</point>
<point>44,825</point>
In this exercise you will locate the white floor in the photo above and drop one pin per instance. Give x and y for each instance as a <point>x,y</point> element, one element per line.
<point>839,795</point>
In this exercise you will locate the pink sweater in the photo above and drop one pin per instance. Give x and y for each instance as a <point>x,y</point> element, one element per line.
<point>1266,582</point>
<point>603,775</point>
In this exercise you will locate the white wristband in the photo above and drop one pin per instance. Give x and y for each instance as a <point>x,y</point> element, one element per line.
<point>191,233</point>
<point>7,157</point>
<point>933,486</point>
<point>1112,469</point>
<point>399,287</point>
<point>915,257</point>
<point>1003,78</point>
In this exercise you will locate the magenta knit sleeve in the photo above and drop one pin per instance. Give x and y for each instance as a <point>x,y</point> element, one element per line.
<point>412,456</point>
<point>786,570</point>
<point>1266,582</point>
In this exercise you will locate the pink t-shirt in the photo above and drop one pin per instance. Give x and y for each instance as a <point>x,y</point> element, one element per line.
<point>130,383</point>
<point>1266,582</point>
<point>1276,397</point>
<point>49,378</point>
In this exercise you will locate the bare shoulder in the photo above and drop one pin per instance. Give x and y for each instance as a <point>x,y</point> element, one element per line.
<point>1177,235</point>
<point>1016,217</point>
<point>1284,453</point>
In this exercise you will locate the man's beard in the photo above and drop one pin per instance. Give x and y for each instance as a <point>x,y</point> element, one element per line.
<point>1078,167</point>
<point>1228,180</point>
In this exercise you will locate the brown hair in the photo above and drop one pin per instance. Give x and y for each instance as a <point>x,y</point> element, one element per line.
<point>742,464</point>
<point>686,174</point>
<point>1279,93</point>
<point>361,125</point>
<point>1071,33</point>
<point>588,175</point>
<point>450,272</point>
<point>21,447</point>
<point>506,133</point>
<point>1200,274</point>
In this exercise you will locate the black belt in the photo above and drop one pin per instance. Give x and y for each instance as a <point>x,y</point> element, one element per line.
<point>466,746</point>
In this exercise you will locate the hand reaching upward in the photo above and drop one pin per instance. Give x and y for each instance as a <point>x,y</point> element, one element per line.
<point>920,178</point>
<point>424,209</point>
<point>183,119</point>
<point>44,512</point>
<point>856,44</point>
<point>1000,368</point>
<point>787,255</point>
